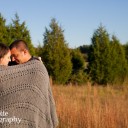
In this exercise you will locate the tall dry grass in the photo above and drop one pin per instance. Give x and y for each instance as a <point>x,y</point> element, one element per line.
<point>91,107</point>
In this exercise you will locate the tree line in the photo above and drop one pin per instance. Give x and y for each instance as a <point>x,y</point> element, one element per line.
<point>103,62</point>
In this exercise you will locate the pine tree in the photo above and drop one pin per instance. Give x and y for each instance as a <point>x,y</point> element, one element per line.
<point>56,55</point>
<point>77,60</point>
<point>78,75</point>
<point>3,30</point>
<point>19,30</point>
<point>99,57</point>
<point>125,46</point>
<point>119,62</point>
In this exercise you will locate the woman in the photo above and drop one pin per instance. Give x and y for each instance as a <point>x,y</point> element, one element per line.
<point>4,54</point>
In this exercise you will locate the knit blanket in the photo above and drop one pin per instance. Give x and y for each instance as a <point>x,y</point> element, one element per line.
<point>26,99</point>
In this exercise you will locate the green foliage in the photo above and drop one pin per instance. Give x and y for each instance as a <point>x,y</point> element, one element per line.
<point>55,54</point>
<point>99,57</point>
<point>107,63</point>
<point>3,30</point>
<point>125,46</point>
<point>77,60</point>
<point>119,62</point>
<point>79,78</point>
<point>38,50</point>
<point>78,75</point>
<point>85,50</point>
<point>18,30</point>
<point>14,31</point>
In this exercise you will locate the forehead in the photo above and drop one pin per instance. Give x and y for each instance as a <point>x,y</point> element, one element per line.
<point>14,50</point>
<point>8,54</point>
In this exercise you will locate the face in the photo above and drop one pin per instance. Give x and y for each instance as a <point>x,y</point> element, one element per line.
<point>17,55</point>
<point>5,60</point>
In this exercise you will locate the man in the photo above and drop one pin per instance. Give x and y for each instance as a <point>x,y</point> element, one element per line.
<point>20,52</point>
<point>26,95</point>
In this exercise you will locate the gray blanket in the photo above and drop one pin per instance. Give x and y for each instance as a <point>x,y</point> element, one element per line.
<point>26,100</point>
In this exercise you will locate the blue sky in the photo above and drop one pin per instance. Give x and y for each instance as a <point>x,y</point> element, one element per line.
<point>79,18</point>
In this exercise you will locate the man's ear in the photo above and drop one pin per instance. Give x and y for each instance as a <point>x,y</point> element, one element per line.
<point>25,51</point>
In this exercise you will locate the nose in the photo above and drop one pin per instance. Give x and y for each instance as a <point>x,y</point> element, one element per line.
<point>13,59</point>
<point>9,59</point>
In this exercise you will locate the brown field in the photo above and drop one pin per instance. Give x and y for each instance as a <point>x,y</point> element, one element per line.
<point>91,106</point>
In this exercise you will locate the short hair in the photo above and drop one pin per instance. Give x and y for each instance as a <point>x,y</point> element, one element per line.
<point>3,50</point>
<point>19,44</point>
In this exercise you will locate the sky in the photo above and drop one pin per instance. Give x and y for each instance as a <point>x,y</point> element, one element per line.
<point>78,18</point>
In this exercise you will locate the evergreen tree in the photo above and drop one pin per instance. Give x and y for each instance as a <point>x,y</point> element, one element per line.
<point>119,62</point>
<point>77,60</point>
<point>56,55</point>
<point>85,50</point>
<point>38,50</point>
<point>125,46</point>
<point>99,57</point>
<point>78,75</point>
<point>3,30</point>
<point>19,31</point>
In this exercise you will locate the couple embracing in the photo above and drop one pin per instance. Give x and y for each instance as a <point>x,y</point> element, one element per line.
<point>25,91</point>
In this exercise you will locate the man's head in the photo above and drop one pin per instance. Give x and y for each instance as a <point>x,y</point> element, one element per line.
<point>19,51</point>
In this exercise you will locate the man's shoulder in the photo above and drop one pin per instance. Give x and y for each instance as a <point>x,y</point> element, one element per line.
<point>35,58</point>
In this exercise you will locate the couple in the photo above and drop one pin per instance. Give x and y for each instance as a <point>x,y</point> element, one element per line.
<point>18,51</point>
<point>25,92</point>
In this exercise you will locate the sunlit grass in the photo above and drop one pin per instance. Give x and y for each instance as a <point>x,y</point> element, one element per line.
<point>91,106</point>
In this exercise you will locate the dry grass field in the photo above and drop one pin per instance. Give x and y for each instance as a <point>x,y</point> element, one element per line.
<point>91,106</point>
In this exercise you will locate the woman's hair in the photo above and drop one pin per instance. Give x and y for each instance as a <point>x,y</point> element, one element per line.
<point>3,50</point>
